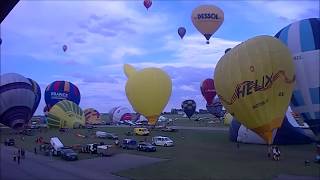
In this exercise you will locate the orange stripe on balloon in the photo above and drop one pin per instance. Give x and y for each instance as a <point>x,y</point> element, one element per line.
<point>67,87</point>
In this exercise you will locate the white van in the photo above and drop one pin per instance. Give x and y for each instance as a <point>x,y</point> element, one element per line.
<point>101,134</point>
<point>162,141</point>
<point>56,144</point>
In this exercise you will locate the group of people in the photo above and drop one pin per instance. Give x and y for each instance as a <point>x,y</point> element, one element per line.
<point>275,153</point>
<point>20,155</point>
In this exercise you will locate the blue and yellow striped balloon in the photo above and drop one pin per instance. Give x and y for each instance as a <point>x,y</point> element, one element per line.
<point>303,40</point>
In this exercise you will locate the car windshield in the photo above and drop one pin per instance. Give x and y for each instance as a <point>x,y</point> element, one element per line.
<point>146,144</point>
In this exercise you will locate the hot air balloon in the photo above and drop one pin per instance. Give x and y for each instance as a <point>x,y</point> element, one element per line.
<point>207,19</point>
<point>92,116</point>
<point>303,40</point>
<point>260,79</point>
<point>208,91</point>
<point>65,114</point>
<point>216,108</point>
<point>37,92</point>
<point>289,133</point>
<point>18,100</point>
<point>189,107</point>
<point>147,3</point>
<point>60,90</point>
<point>64,48</point>
<point>121,114</point>
<point>148,91</point>
<point>182,31</point>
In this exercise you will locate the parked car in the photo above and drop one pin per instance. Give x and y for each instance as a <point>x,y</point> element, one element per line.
<point>111,136</point>
<point>101,134</point>
<point>9,142</point>
<point>129,144</point>
<point>68,154</point>
<point>106,150</point>
<point>162,141</point>
<point>141,131</point>
<point>147,147</point>
<point>169,129</point>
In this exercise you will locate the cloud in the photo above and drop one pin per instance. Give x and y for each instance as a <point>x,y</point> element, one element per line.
<point>187,88</point>
<point>119,53</point>
<point>288,10</point>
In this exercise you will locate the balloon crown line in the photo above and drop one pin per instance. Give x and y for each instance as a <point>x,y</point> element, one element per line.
<point>245,88</point>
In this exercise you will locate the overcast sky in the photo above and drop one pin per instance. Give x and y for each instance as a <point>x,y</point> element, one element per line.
<point>103,35</point>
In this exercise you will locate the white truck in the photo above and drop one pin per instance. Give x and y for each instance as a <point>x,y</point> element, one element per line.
<point>101,134</point>
<point>57,145</point>
<point>106,150</point>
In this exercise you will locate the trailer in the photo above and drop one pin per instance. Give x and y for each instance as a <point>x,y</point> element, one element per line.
<point>57,145</point>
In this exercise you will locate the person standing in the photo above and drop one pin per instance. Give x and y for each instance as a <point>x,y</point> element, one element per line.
<point>18,158</point>
<point>22,153</point>
<point>35,150</point>
<point>14,156</point>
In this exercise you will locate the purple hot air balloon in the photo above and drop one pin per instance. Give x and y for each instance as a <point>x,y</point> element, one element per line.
<point>147,3</point>
<point>64,48</point>
<point>182,31</point>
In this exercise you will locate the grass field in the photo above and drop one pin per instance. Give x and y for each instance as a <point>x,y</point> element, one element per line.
<point>197,155</point>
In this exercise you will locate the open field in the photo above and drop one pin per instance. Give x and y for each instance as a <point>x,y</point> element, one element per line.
<point>197,155</point>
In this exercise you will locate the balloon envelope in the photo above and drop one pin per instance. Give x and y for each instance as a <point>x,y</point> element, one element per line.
<point>261,77</point>
<point>17,100</point>
<point>189,107</point>
<point>303,40</point>
<point>216,108</point>
<point>92,116</point>
<point>147,3</point>
<point>121,114</point>
<point>207,19</point>
<point>61,90</point>
<point>182,31</point>
<point>208,91</point>
<point>37,92</point>
<point>148,91</point>
<point>64,48</point>
<point>65,114</point>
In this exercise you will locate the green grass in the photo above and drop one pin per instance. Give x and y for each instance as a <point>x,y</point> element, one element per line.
<point>198,155</point>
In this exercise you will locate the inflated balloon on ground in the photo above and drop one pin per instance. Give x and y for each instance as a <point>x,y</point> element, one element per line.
<point>260,79</point>
<point>148,91</point>
<point>18,100</point>
<point>66,114</point>
<point>303,40</point>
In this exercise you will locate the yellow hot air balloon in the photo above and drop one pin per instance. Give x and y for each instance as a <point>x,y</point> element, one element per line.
<point>207,19</point>
<point>255,80</point>
<point>66,114</point>
<point>148,91</point>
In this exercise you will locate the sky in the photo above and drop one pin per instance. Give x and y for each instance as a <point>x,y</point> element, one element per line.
<point>104,35</point>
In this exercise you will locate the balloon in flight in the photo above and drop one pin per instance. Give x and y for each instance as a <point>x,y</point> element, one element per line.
<point>260,78</point>
<point>147,3</point>
<point>64,48</point>
<point>182,31</point>
<point>148,91</point>
<point>207,19</point>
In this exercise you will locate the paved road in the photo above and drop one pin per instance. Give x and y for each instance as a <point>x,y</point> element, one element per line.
<point>39,167</point>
